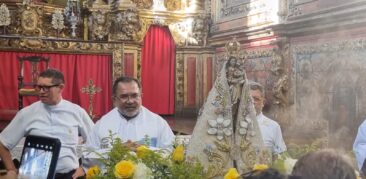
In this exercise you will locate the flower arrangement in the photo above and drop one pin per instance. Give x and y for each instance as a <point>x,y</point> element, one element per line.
<point>127,162</point>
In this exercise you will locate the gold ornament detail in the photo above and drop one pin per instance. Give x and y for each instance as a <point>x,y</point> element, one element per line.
<point>233,47</point>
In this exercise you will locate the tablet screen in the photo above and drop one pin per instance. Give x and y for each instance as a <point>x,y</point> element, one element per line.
<point>38,159</point>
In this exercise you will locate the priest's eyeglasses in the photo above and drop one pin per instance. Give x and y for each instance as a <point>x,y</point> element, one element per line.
<point>126,97</point>
<point>45,87</point>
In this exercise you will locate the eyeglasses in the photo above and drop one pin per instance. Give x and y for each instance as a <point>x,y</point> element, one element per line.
<point>45,87</point>
<point>126,97</point>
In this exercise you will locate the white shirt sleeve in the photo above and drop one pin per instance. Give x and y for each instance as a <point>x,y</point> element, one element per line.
<point>8,137</point>
<point>86,125</point>
<point>166,136</point>
<point>359,146</point>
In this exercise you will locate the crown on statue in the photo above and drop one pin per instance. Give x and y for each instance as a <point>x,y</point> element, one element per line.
<point>232,47</point>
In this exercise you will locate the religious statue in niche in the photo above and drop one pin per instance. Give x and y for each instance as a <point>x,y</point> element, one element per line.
<point>226,133</point>
<point>200,30</point>
<point>280,88</point>
<point>126,25</point>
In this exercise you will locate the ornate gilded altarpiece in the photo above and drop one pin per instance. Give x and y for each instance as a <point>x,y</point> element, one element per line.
<point>114,27</point>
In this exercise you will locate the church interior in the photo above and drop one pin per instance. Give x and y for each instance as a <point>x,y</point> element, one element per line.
<point>308,54</point>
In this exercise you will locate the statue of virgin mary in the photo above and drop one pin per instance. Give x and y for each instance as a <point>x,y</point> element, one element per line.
<point>226,133</point>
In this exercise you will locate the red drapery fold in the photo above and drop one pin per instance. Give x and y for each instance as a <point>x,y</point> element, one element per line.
<point>78,69</point>
<point>157,70</point>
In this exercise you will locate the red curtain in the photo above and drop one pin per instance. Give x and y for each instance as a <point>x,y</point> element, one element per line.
<point>78,70</point>
<point>157,70</point>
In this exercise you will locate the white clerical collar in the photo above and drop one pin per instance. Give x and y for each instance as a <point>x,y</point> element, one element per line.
<point>260,117</point>
<point>127,118</point>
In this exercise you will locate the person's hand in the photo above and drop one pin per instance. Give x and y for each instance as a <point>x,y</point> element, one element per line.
<point>78,173</point>
<point>131,145</point>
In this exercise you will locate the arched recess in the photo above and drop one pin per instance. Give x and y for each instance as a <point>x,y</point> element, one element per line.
<point>158,70</point>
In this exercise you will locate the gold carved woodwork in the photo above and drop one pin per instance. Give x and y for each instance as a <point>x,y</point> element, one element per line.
<point>281,85</point>
<point>125,25</point>
<point>47,45</point>
<point>117,63</point>
<point>179,78</point>
<point>100,24</point>
<point>30,21</point>
<point>113,22</point>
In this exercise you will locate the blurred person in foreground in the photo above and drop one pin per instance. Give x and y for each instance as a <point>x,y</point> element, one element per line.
<point>51,116</point>
<point>324,164</point>
<point>270,129</point>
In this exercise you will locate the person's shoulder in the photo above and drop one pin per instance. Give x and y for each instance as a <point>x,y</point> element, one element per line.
<point>32,107</point>
<point>65,102</point>
<point>271,121</point>
<point>151,114</point>
<point>363,124</point>
<point>109,116</point>
<point>147,111</point>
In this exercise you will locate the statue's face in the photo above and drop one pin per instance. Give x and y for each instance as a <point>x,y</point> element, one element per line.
<point>100,18</point>
<point>258,100</point>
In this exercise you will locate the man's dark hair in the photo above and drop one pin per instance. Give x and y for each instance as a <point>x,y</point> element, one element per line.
<point>124,79</point>
<point>56,75</point>
<point>256,86</point>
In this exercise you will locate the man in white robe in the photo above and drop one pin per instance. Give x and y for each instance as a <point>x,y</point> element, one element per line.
<point>129,121</point>
<point>270,129</point>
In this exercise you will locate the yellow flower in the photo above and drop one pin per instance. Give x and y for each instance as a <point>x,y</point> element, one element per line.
<point>124,169</point>
<point>260,167</point>
<point>94,170</point>
<point>142,151</point>
<point>178,154</point>
<point>232,174</point>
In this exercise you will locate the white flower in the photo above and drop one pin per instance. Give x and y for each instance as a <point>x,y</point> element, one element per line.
<point>220,127</point>
<point>142,171</point>
<point>289,164</point>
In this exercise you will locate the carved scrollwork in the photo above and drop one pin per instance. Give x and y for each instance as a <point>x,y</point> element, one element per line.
<point>30,21</point>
